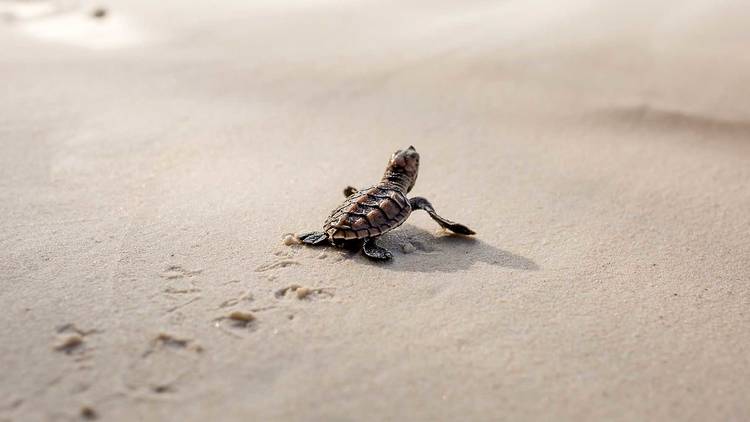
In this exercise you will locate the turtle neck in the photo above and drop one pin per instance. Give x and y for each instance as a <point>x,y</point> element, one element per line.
<point>397,180</point>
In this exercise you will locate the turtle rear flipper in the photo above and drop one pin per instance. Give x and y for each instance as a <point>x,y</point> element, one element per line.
<point>418,203</point>
<point>375,252</point>
<point>313,238</point>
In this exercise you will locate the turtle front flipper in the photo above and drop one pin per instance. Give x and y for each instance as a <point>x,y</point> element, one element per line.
<point>375,252</point>
<point>313,238</point>
<point>349,191</point>
<point>418,203</point>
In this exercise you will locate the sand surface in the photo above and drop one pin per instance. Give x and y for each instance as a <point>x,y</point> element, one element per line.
<point>152,159</point>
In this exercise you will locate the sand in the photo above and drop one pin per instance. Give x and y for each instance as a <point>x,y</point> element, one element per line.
<point>153,159</point>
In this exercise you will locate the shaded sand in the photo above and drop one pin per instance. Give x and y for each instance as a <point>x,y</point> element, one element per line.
<point>153,158</point>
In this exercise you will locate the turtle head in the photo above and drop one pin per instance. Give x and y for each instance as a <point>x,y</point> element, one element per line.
<point>403,168</point>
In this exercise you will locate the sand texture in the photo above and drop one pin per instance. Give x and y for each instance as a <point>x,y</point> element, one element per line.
<point>154,154</point>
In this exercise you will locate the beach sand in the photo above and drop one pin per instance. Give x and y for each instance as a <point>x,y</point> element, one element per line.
<point>154,157</point>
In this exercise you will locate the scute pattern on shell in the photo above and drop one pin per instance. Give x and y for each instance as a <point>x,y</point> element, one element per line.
<point>367,213</point>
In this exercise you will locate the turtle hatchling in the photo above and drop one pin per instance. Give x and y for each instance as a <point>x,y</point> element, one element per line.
<point>369,213</point>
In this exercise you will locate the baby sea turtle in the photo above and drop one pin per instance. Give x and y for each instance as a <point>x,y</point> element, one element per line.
<point>369,213</point>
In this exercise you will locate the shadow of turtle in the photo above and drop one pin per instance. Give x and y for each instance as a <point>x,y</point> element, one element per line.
<point>418,250</point>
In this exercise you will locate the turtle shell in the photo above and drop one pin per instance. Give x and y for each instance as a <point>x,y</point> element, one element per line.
<point>367,213</point>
